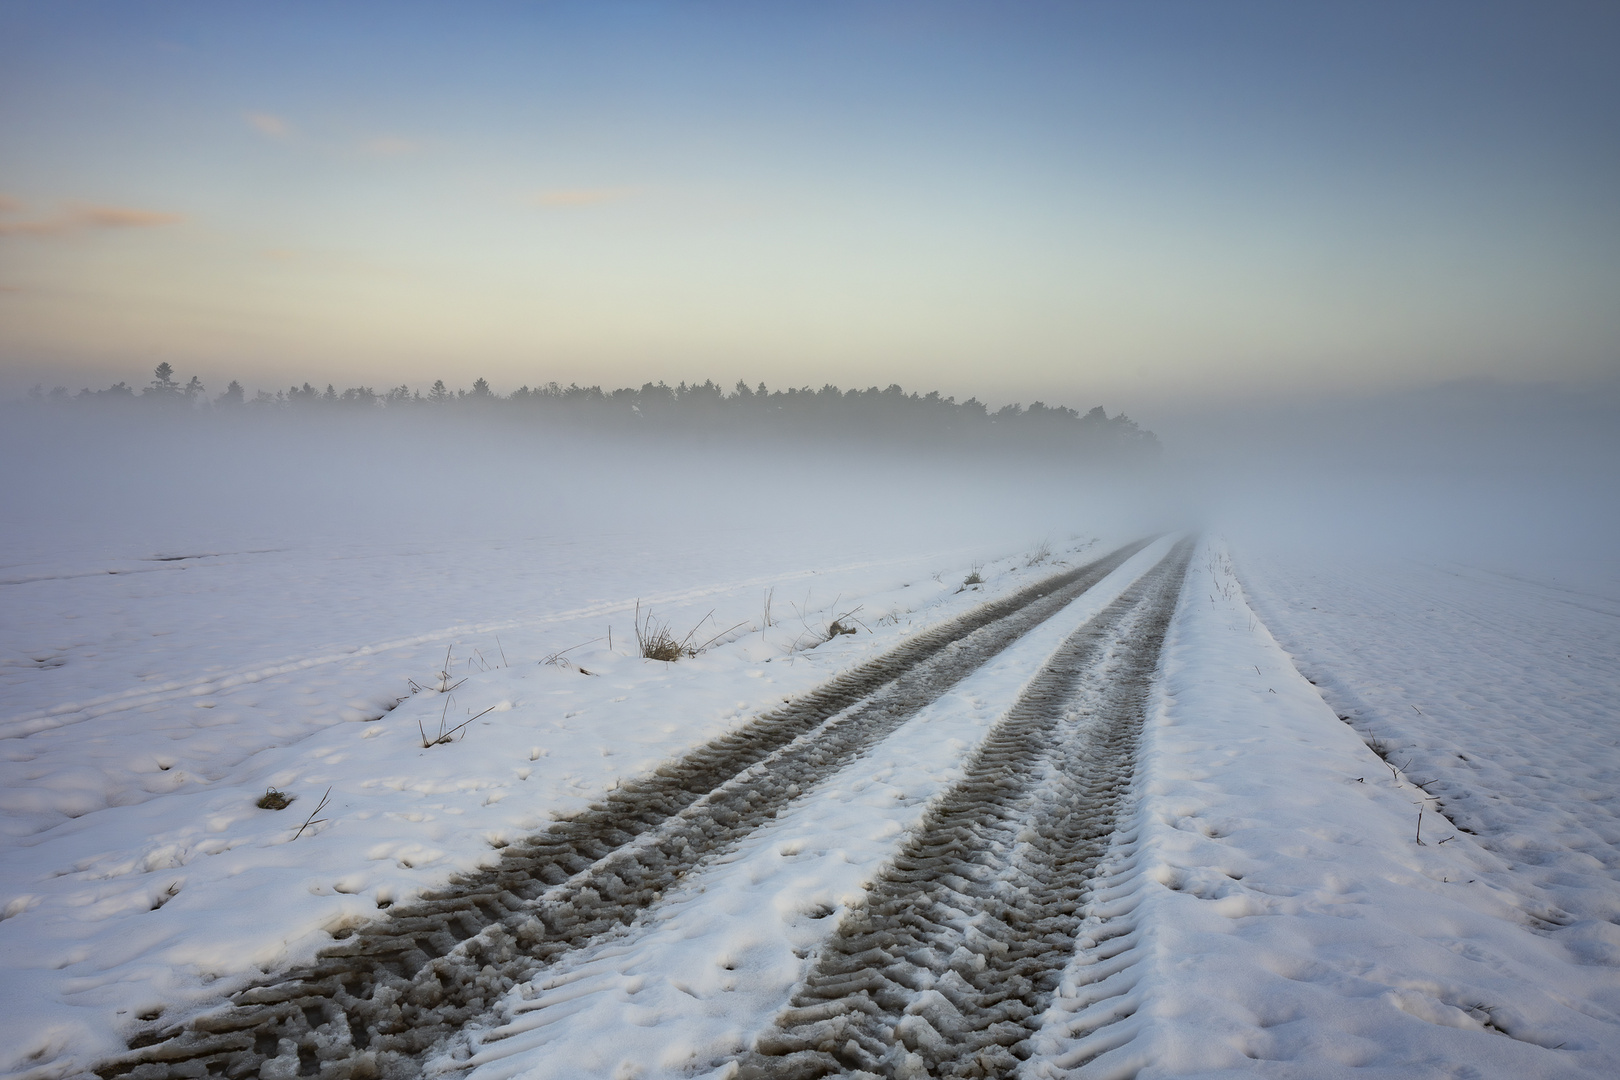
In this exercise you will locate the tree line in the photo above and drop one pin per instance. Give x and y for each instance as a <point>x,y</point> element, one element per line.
<point>700,407</point>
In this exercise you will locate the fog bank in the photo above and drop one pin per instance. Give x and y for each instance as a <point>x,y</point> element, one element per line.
<point>135,483</point>
<point>1503,474</point>
<point>1515,474</point>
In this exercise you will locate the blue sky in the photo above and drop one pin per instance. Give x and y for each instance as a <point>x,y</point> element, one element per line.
<point>1129,203</point>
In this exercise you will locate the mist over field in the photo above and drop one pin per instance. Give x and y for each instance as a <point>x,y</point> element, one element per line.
<point>1518,474</point>
<point>902,539</point>
<point>185,474</point>
<point>1473,469</point>
<point>208,600</point>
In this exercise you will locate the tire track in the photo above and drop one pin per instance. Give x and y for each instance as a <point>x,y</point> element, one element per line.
<point>947,969</point>
<point>186,688</point>
<point>372,1004</point>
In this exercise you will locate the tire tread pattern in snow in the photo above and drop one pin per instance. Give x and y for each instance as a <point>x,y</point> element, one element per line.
<point>947,967</point>
<point>373,1004</point>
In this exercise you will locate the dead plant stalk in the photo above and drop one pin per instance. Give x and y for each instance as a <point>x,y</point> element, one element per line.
<point>312,819</point>
<point>445,736</point>
<point>657,640</point>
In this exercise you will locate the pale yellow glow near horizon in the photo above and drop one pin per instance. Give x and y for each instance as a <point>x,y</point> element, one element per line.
<point>622,284</point>
<point>1063,203</point>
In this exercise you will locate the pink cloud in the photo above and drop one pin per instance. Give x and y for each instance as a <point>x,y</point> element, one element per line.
<point>82,217</point>
<point>269,124</point>
<point>581,196</point>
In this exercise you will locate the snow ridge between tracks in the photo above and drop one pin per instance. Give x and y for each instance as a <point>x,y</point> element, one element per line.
<point>372,1005</point>
<point>947,969</point>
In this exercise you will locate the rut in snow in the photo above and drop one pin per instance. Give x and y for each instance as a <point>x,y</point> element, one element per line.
<point>947,967</point>
<point>371,1005</point>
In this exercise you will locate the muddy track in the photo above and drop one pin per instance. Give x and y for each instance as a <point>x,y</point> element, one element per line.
<point>372,1004</point>
<point>947,968</point>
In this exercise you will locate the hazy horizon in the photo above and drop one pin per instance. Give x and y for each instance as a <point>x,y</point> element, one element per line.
<point>1149,208</point>
<point>1248,705</point>
<point>1366,248</point>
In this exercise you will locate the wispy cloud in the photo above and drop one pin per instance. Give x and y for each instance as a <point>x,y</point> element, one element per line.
<point>120,217</point>
<point>391,146</point>
<point>82,217</point>
<point>582,196</point>
<point>276,127</point>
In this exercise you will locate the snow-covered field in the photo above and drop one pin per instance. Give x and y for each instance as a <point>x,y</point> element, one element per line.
<point>181,631</point>
<point>1271,910</point>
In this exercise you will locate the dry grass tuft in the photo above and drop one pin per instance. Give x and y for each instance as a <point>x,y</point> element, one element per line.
<point>846,623</point>
<point>657,641</point>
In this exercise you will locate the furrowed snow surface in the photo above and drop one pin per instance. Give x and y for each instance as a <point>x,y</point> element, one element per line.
<point>1270,909</point>
<point>702,976</point>
<point>382,997</point>
<point>153,695</point>
<point>1499,691</point>
<point>1262,906</point>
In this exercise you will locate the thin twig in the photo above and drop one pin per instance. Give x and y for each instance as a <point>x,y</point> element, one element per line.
<point>442,714</point>
<point>560,653</point>
<point>839,624</point>
<point>311,820</point>
<point>718,636</point>
<point>423,730</point>
<point>694,630</point>
<point>446,736</point>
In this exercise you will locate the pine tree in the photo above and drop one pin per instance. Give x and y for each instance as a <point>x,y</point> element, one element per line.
<point>164,385</point>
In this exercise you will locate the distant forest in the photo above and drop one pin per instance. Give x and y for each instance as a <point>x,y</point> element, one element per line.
<point>705,408</point>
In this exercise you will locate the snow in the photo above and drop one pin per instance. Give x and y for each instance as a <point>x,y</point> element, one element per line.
<point>143,873</point>
<point>150,700</point>
<point>1271,911</point>
<point>1497,687</point>
<point>693,983</point>
<point>276,614</point>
